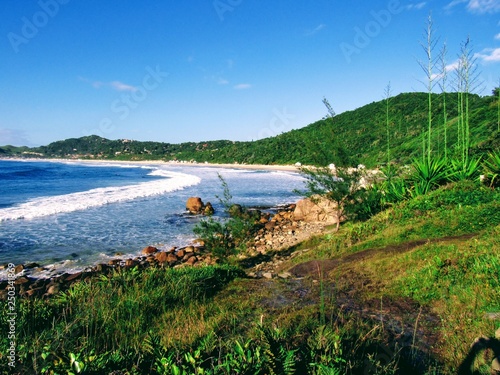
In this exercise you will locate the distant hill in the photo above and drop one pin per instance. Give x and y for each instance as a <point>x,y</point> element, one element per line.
<point>358,136</point>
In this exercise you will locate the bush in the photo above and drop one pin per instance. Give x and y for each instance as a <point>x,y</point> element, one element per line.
<point>492,166</point>
<point>345,187</point>
<point>226,236</point>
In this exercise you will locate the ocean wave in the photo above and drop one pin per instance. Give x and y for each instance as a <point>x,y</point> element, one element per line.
<point>45,206</point>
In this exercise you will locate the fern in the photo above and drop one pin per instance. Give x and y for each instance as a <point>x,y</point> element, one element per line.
<point>279,359</point>
<point>325,352</point>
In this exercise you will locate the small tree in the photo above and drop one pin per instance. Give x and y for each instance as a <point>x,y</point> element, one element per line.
<point>337,153</point>
<point>344,187</point>
<point>224,237</point>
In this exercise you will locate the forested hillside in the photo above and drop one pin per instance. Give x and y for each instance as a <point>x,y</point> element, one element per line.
<point>358,136</point>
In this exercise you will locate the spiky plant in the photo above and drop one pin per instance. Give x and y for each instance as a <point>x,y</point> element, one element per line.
<point>428,174</point>
<point>492,167</point>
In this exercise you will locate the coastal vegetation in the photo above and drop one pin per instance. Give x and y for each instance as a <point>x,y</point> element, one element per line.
<point>406,291</point>
<point>404,286</point>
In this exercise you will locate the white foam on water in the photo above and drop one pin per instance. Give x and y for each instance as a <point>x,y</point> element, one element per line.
<point>45,206</point>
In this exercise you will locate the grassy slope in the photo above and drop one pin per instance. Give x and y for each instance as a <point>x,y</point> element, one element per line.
<point>406,290</point>
<point>439,251</point>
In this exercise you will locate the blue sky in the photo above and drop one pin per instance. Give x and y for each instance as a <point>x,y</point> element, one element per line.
<point>217,69</point>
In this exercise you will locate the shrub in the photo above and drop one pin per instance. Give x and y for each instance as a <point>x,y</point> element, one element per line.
<point>343,186</point>
<point>492,167</point>
<point>225,236</point>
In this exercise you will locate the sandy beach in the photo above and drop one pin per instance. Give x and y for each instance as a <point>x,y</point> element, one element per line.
<point>285,168</point>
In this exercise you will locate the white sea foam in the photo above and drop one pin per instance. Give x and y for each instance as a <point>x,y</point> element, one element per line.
<point>45,206</point>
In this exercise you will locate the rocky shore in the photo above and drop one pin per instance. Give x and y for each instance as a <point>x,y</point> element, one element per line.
<point>289,226</point>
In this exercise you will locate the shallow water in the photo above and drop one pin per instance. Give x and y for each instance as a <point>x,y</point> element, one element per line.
<point>72,215</point>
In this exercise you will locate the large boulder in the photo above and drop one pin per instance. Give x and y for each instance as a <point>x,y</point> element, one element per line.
<point>195,205</point>
<point>148,250</point>
<point>317,209</point>
<point>208,209</point>
<point>240,212</point>
<point>161,257</point>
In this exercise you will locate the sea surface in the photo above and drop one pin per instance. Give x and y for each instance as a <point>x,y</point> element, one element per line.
<point>67,216</point>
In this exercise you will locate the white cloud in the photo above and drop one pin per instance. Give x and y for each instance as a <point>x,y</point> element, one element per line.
<point>477,6</point>
<point>242,86</point>
<point>120,86</point>
<point>115,85</point>
<point>97,84</point>
<point>497,37</point>
<point>454,3</point>
<point>416,6</point>
<point>316,30</point>
<point>489,55</point>
<point>452,66</point>
<point>449,68</point>
<point>222,81</point>
<point>484,6</point>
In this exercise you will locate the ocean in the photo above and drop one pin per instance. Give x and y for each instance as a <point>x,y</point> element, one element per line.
<point>67,216</point>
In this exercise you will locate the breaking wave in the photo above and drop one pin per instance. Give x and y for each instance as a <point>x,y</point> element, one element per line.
<point>44,206</point>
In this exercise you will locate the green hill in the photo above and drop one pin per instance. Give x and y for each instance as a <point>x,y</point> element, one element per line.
<point>358,136</point>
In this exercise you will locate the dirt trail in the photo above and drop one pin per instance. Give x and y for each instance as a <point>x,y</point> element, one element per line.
<point>408,326</point>
<point>326,265</point>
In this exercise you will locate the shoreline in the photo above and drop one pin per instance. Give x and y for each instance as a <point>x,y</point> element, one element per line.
<point>123,257</point>
<point>257,167</point>
<point>281,231</point>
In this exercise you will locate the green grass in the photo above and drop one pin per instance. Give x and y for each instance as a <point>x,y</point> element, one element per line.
<point>115,314</point>
<point>451,274</point>
<point>436,254</point>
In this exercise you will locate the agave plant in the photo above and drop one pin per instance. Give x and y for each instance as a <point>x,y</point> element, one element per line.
<point>428,174</point>
<point>492,167</point>
<point>468,169</point>
<point>395,191</point>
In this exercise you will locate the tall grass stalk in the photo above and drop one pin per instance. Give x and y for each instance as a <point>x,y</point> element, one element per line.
<point>388,95</point>
<point>322,307</point>
<point>467,77</point>
<point>415,328</point>
<point>428,45</point>
<point>443,86</point>
<point>498,105</point>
